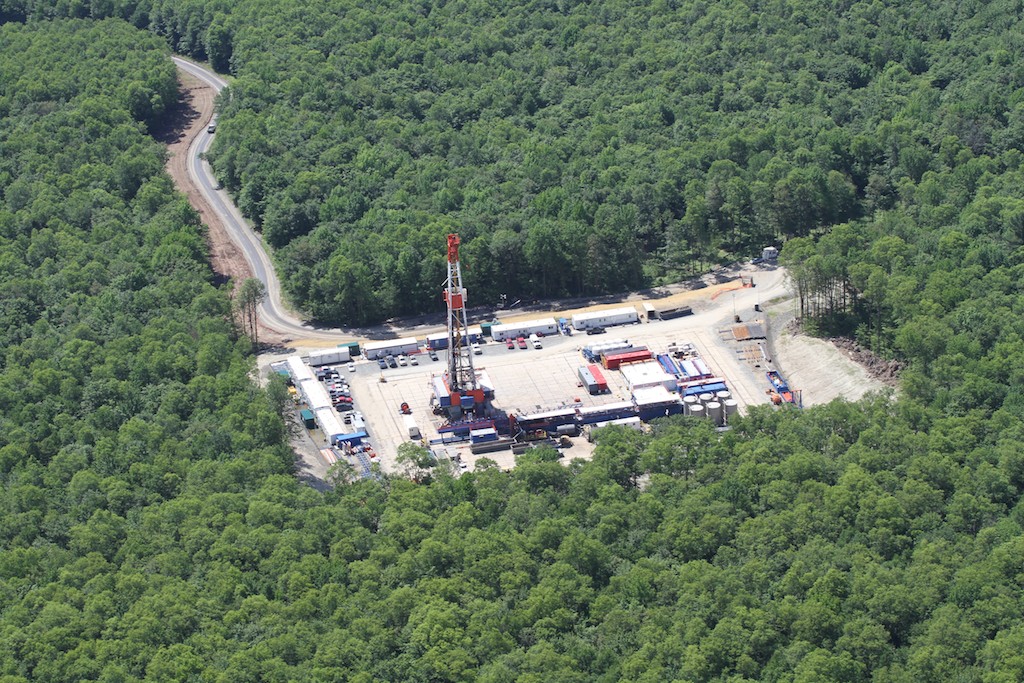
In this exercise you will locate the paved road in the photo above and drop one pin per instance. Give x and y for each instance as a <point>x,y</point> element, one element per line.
<point>273,313</point>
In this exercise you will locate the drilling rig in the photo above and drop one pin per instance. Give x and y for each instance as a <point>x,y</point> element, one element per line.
<point>462,392</point>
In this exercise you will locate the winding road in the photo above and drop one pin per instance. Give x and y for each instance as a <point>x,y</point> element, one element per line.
<point>273,312</point>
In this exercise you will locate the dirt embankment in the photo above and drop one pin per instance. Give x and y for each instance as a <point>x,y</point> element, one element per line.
<point>182,124</point>
<point>824,369</point>
<point>188,118</point>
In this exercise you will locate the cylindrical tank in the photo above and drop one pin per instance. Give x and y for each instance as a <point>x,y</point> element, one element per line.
<point>714,409</point>
<point>722,396</point>
<point>731,407</point>
<point>697,410</point>
<point>688,401</point>
<point>707,398</point>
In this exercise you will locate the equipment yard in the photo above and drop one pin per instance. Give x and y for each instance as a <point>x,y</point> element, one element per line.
<point>542,383</point>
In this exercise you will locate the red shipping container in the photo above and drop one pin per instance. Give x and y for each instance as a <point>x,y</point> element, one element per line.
<point>613,362</point>
<point>595,372</point>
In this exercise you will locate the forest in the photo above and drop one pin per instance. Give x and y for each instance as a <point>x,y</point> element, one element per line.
<point>580,148</point>
<point>150,524</point>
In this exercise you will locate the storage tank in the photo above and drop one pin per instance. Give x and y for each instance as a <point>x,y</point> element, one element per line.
<point>731,406</point>
<point>697,410</point>
<point>715,412</point>
<point>688,403</point>
<point>722,396</point>
<point>706,398</point>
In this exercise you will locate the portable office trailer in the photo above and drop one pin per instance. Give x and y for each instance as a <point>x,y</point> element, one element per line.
<point>298,370</point>
<point>607,318</point>
<point>541,326</point>
<point>329,423</point>
<point>390,347</point>
<point>329,356</point>
<point>314,394</point>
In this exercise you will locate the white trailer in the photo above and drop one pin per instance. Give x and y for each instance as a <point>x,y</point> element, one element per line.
<point>390,347</point>
<point>327,356</point>
<point>315,395</point>
<point>411,428</point>
<point>329,423</point>
<point>612,316</point>
<point>524,328</point>
<point>298,370</point>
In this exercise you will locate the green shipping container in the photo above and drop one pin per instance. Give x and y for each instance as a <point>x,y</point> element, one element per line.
<point>308,419</point>
<point>353,348</point>
<point>485,329</point>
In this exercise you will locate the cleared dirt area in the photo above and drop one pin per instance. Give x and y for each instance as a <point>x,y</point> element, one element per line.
<point>816,367</point>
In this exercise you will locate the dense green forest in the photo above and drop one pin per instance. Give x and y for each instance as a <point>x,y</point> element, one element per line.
<point>581,147</point>
<point>151,528</point>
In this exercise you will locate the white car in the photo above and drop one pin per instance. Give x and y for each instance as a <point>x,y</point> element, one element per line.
<point>402,361</point>
<point>413,361</point>
<point>351,367</point>
<point>476,349</point>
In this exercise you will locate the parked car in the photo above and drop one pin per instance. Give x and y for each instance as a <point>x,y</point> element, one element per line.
<point>351,366</point>
<point>413,361</point>
<point>596,330</point>
<point>476,349</point>
<point>521,342</point>
<point>382,363</point>
<point>433,355</point>
<point>510,344</point>
<point>392,363</point>
<point>402,361</point>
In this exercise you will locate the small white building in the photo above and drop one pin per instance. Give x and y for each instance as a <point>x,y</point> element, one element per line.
<point>769,253</point>
<point>390,347</point>
<point>606,318</point>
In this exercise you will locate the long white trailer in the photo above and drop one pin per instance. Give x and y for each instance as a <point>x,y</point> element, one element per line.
<point>342,354</point>
<point>298,370</point>
<point>390,347</point>
<point>524,328</point>
<point>607,318</point>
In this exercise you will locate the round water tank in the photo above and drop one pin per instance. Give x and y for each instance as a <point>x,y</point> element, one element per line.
<point>697,410</point>
<point>707,398</point>
<point>715,412</point>
<point>731,406</point>
<point>723,395</point>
